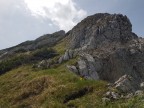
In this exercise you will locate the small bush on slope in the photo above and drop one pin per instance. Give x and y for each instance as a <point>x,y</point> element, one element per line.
<point>18,60</point>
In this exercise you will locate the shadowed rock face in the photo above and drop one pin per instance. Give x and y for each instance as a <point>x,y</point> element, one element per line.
<point>121,62</point>
<point>100,28</point>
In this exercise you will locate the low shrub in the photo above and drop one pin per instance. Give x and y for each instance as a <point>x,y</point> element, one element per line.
<point>18,60</point>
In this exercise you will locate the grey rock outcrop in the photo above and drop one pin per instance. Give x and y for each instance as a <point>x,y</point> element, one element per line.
<point>109,50</point>
<point>126,84</point>
<point>69,54</point>
<point>66,56</point>
<point>86,67</point>
<point>95,30</point>
<point>73,69</point>
<point>139,93</point>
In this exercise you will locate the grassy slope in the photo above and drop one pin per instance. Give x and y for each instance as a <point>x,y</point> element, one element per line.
<point>55,88</point>
<point>47,88</point>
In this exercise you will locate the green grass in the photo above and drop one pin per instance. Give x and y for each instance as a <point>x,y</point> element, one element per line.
<point>26,87</point>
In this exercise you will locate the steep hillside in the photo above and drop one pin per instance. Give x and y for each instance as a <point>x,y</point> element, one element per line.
<point>97,64</point>
<point>107,41</point>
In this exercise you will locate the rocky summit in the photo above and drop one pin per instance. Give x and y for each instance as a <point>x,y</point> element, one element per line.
<point>100,29</point>
<point>97,64</point>
<point>108,48</point>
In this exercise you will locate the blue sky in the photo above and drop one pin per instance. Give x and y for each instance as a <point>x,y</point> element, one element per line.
<point>22,20</point>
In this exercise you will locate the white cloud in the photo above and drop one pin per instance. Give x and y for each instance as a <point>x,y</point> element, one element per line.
<point>63,13</point>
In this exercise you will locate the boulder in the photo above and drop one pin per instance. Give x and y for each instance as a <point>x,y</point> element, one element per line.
<point>126,84</point>
<point>73,69</point>
<point>82,67</point>
<point>112,95</point>
<point>115,95</point>
<point>87,67</point>
<point>139,93</point>
<point>69,54</point>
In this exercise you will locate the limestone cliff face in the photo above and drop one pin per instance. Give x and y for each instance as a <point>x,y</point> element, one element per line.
<point>100,28</point>
<point>114,50</point>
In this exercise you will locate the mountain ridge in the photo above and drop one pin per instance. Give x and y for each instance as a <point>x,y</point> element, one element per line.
<point>45,40</point>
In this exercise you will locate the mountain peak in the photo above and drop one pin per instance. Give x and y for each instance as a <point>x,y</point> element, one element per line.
<point>96,29</point>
